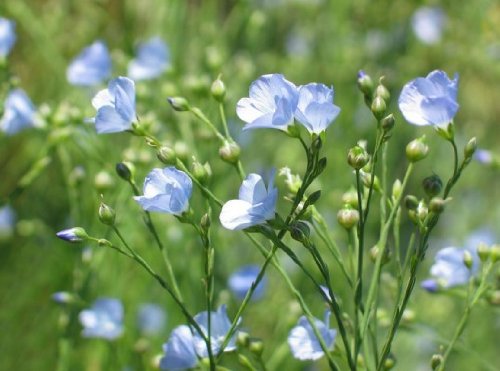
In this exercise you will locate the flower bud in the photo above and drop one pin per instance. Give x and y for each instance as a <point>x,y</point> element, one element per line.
<point>351,198</point>
<point>292,181</point>
<point>230,152</point>
<point>483,251</point>
<point>104,243</point>
<point>436,361</point>
<point>493,297</point>
<point>417,150</point>
<point>411,202</point>
<point>421,211</point>
<point>106,214</point>
<point>495,253</point>
<point>293,131</point>
<point>357,157</point>
<point>348,217</point>
<point>103,181</point>
<point>218,90</point>
<point>201,172</point>
<point>256,347</point>
<point>179,103</point>
<point>300,231</point>
<point>397,188</point>
<point>470,148</point>
<point>243,339</point>
<point>382,92</point>
<point>390,362</point>
<point>366,178</point>
<point>388,122</point>
<point>205,221</point>
<point>468,259</point>
<point>76,234</point>
<point>375,251</point>
<point>365,83</point>
<point>125,170</point>
<point>432,185</point>
<point>76,176</point>
<point>181,150</point>
<point>437,204</point>
<point>166,155</point>
<point>63,297</point>
<point>378,107</point>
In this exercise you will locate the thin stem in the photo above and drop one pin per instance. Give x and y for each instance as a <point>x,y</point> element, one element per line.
<point>200,115</point>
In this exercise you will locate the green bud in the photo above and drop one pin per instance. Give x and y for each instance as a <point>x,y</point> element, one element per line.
<point>483,251</point>
<point>179,104</point>
<point>495,253</point>
<point>390,362</point>
<point>408,316</point>
<point>493,297</point>
<point>348,217</point>
<point>448,133</point>
<point>181,150</point>
<point>103,181</point>
<point>243,339</point>
<point>421,211</point>
<point>201,172</point>
<point>106,214</point>
<point>167,155</point>
<point>104,243</point>
<point>125,170</point>
<point>351,198</point>
<point>382,92</point>
<point>388,122</point>
<point>205,222</point>
<point>293,131</point>
<point>218,90</point>
<point>317,144</point>
<point>417,150</point>
<point>292,181</point>
<point>436,361</point>
<point>397,188</point>
<point>230,152</point>
<point>437,204</point>
<point>470,148</point>
<point>357,157</point>
<point>256,347</point>
<point>300,231</point>
<point>375,252</point>
<point>468,259</point>
<point>411,202</point>
<point>432,185</point>
<point>366,178</point>
<point>365,83</point>
<point>378,107</point>
<point>76,176</point>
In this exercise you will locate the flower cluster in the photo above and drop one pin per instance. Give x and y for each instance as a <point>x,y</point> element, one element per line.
<point>274,102</point>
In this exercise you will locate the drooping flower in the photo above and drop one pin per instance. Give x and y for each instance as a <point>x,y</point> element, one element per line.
<point>115,106</point>
<point>220,325</point>
<point>167,191</point>
<point>430,100</point>
<point>240,282</point>
<point>254,206</point>
<point>427,24</point>
<point>315,109</point>
<point>103,320</point>
<point>151,61</point>
<point>19,112</point>
<point>179,353</point>
<point>271,103</point>
<point>304,343</point>
<point>91,67</point>
<point>449,269</point>
<point>76,234</point>
<point>151,319</point>
<point>7,36</point>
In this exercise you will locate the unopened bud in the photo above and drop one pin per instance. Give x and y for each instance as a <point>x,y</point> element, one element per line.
<point>390,362</point>
<point>388,122</point>
<point>167,155</point>
<point>351,198</point>
<point>256,347</point>
<point>437,204</point>
<point>300,231</point>
<point>106,214</point>
<point>366,178</point>
<point>484,252</point>
<point>230,152</point>
<point>432,185</point>
<point>103,181</point>
<point>181,150</point>
<point>421,211</point>
<point>348,217</point>
<point>375,252</point>
<point>417,150</point>
<point>411,202</point>
<point>365,83</point>
<point>378,107</point>
<point>179,103</point>
<point>357,157</point>
<point>470,148</point>
<point>397,188</point>
<point>468,259</point>
<point>493,297</point>
<point>76,176</point>
<point>205,222</point>
<point>218,90</point>
<point>125,170</point>
<point>104,243</point>
<point>201,172</point>
<point>76,234</point>
<point>382,92</point>
<point>495,253</point>
<point>243,339</point>
<point>436,361</point>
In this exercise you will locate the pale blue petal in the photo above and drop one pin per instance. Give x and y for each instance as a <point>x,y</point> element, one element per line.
<point>240,282</point>
<point>151,319</point>
<point>7,36</point>
<point>253,189</point>
<point>19,112</point>
<point>123,90</point>
<point>179,353</point>
<point>103,320</point>
<point>91,66</point>
<point>107,120</point>
<point>235,215</point>
<point>151,61</point>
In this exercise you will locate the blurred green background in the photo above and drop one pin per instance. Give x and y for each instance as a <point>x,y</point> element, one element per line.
<point>322,41</point>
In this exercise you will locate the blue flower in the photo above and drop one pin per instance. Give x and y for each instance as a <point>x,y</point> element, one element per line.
<point>431,100</point>
<point>271,104</point>
<point>255,205</point>
<point>304,343</point>
<point>427,23</point>
<point>240,282</point>
<point>19,112</point>
<point>7,221</point>
<point>220,325</point>
<point>483,156</point>
<point>91,66</point>
<point>7,36</point>
<point>75,234</point>
<point>153,58</point>
<point>103,320</point>
<point>151,319</point>
<point>63,297</point>
<point>179,353</point>
<point>315,109</point>
<point>449,269</point>
<point>115,106</point>
<point>167,191</point>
